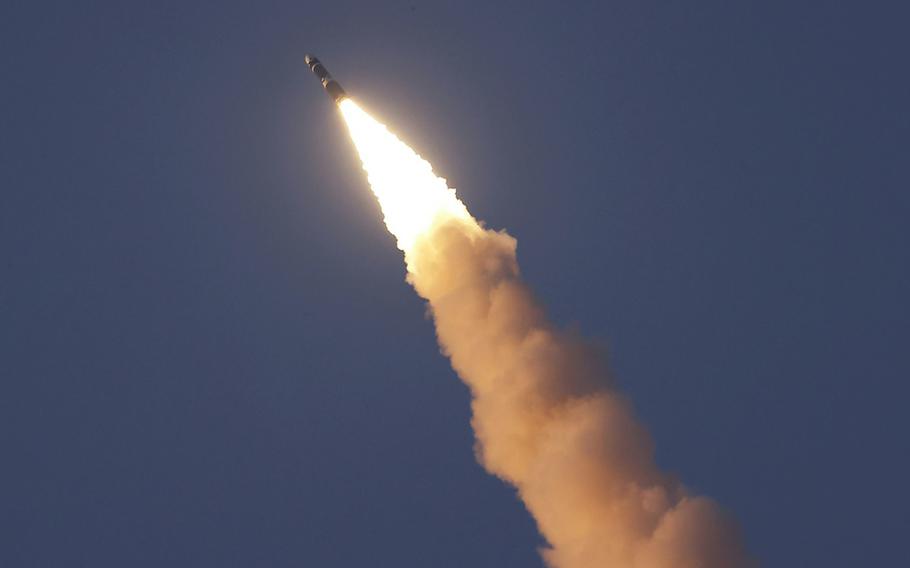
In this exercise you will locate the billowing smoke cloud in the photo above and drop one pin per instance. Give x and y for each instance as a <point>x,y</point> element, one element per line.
<point>546,416</point>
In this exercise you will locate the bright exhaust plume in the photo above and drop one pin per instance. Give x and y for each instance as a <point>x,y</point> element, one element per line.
<point>412,198</point>
<point>546,416</point>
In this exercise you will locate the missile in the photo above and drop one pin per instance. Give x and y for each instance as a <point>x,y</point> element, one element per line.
<point>331,85</point>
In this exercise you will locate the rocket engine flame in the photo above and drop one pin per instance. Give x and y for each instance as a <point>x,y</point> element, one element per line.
<point>412,197</point>
<point>545,414</point>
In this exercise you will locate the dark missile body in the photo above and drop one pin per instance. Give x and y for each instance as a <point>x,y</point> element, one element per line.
<point>335,91</point>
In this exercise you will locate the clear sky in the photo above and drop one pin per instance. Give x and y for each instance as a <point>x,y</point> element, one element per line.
<point>208,354</point>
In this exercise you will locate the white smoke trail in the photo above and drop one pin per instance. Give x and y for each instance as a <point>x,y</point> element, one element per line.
<point>546,417</point>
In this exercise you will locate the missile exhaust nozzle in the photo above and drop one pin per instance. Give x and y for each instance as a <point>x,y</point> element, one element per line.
<point>331,86</point>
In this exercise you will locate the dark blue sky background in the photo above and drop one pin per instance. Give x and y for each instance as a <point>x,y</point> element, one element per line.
<point>208,354</point>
